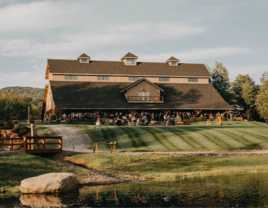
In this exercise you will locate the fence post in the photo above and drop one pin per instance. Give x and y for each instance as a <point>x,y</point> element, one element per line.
<point>43,144</point>
<point>60,147</point>
<point>11,144</point>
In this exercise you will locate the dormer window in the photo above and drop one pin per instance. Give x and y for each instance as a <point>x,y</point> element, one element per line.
<point>84,58</point>
<point>172,61</point>
<point>129,59</point>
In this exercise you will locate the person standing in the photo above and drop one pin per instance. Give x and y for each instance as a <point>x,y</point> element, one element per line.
<point>64,116</point>
<point>165,120</point>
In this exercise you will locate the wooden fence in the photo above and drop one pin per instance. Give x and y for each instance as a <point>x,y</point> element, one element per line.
<point>34,144</point>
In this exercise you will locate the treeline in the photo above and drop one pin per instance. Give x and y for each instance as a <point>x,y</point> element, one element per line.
<point>243,91</point>
<point>15,106</point>
<point>28,91</point>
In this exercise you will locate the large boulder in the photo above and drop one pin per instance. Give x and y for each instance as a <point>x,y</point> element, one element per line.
<point>50,183</point>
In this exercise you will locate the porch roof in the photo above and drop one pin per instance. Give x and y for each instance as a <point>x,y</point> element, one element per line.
<point>106,95</point>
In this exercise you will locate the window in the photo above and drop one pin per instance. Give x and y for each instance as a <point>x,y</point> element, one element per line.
<point>130,61</point>
<point>133,78</point>
<point>70,77</point>
<point>103,78</point>
<point>163,79</point>
<point>143,96</point>
<point>173,62</point>
<point>84,60</point>
<point>192,80</point>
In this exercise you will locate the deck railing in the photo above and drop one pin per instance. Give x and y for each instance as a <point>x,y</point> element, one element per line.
<point>145,98</point>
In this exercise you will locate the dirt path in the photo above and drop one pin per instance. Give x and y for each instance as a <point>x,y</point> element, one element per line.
<point>72,137</point>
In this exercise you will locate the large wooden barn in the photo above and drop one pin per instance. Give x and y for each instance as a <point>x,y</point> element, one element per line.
<point>85,85</point>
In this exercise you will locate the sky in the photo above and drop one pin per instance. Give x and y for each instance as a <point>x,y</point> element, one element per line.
<point>232,32</point>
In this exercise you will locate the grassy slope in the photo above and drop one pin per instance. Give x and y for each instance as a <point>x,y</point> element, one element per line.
<point>197,137</point>
<point>14,168</point>
<point>166,166</point>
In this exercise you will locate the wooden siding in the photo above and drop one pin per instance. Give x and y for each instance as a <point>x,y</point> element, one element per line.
<point>139,88</point>
<point>125,79</point>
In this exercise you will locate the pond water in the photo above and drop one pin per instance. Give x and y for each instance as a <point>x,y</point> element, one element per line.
<point>247,190</point>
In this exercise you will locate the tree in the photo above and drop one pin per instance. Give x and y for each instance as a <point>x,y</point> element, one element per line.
<point>220,80</point>
<point>58,110</point>
<point>244,90</point>
<point>264,76</point>
<point>262,100</point>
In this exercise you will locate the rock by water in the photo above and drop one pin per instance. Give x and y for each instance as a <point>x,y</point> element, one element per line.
<point>50,183</point>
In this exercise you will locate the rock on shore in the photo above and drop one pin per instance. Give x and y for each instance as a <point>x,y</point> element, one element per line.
<point>50,183</point>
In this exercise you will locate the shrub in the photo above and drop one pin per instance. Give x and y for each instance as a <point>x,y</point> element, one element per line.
<point>202,118</point>
<point>16,129</point>
<point>225,119</point>
<point>192,119</point>
<point>232,119</point>
<point>7,126</point>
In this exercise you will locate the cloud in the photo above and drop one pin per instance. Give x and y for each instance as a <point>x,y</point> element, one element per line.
<point>111,35</point>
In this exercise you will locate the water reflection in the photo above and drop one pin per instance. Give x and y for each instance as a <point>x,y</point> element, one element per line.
<point>36,200</point>
<point>221,191</point>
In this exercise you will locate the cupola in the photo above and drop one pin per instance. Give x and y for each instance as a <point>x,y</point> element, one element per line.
<point>129,59</point>
<point>83,58</point>
<point>172,61</point>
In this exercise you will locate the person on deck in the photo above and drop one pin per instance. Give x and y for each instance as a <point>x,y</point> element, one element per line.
<point>220,120</point>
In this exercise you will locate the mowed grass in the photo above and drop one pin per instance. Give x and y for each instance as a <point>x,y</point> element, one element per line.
<point>196,137</point>
<point>16,167</point>
<point>172,166</point>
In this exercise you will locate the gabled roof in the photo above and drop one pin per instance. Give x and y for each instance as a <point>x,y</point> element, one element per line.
<point>129,55</point>
<point>119,68</point>
<point>138,81</point>
<point>83,55</point>
<point>172,58</point>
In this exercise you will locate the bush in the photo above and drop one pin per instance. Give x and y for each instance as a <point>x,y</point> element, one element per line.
<point>192,119</point>
<point>232,119</point>
<point>202,118</point>
<point>225,119</point>
<point>7,126</point>
<point>16,129</point>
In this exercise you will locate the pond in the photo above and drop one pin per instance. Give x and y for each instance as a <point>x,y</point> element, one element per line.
<point>247,190</point>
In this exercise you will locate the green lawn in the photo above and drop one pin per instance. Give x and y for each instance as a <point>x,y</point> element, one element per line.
<point>171,167</point>
<point>196,137</point>
<point>14,168</point>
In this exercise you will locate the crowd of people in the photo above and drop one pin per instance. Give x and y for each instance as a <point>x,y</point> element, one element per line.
<point>146,118</point>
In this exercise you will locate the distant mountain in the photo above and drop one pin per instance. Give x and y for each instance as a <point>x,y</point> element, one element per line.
<point>28,91</point>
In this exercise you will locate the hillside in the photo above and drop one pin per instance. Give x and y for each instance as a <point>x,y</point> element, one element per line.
<point>28,91</point>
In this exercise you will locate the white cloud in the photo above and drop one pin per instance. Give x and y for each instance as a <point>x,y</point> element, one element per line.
<point>114,35</point>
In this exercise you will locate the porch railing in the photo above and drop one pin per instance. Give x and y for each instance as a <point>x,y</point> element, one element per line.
<point>145,98</point>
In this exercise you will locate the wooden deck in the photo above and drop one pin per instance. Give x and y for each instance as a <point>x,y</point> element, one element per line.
<point>33,145</point>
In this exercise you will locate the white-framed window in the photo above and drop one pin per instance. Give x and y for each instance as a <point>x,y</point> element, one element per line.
<point>173,62</point>
<point>133,78</point>
<point>70,77</point>
<point>192,79</point>
<point>143,95</point>
<point>163,79</point>
<point>130,61</point>
<point>103,78</point>
<point>84,60</point>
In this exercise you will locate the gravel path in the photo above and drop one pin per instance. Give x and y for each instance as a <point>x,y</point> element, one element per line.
<point>72,137</point>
